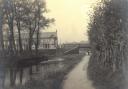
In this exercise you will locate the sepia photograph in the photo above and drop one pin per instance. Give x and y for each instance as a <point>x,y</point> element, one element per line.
<point>63,44</point>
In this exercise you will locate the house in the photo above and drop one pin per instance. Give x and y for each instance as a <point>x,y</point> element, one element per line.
<point>47,40</point>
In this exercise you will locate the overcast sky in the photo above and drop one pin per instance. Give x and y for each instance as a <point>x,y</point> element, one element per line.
<point>71,18</point>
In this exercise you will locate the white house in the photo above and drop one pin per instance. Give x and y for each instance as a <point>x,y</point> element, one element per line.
<point>47,40</point>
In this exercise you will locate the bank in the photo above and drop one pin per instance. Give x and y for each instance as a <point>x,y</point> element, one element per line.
<point>51,78</point>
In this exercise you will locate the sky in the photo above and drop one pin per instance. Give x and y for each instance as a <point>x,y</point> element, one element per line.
<point>71,18</point>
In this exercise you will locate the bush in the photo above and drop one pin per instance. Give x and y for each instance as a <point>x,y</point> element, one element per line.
<point>109,42</point>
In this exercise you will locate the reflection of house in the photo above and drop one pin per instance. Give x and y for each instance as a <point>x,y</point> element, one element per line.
<point>47,40</point>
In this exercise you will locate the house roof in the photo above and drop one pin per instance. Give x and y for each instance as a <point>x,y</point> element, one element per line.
<point>48,34</point>
<point>25,35</point>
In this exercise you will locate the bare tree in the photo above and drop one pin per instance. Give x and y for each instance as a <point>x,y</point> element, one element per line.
<point>35,20</point>
<point>19,11</point>
<point>9,11</point>
<point>18,16</point>
<point>42,21</point>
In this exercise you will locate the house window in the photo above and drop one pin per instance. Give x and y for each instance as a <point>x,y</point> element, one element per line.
<point>47,45</point>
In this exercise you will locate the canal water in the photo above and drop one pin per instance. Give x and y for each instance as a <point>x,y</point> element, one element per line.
<point>43,69</point>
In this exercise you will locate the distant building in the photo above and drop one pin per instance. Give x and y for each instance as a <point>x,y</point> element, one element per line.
<point>47,40</point>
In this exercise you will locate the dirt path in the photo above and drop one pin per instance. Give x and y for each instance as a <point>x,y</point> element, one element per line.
<point>77,78</point>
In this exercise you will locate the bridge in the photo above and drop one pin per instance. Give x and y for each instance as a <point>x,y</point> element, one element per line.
<point>79,49</point>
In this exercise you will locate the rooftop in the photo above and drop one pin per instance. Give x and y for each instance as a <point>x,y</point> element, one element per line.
<point>25,35</point>
<point>48,34</point>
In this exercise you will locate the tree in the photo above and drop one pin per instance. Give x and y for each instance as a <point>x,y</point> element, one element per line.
<point>42,21</point>
<point>17,16</point>
<point>1,28</point>
<point>109,42</point>
<point>35,20</point>
<point>19,12</point>
<point>2,69</point>
<point>28,16</point>
<point>9,12</point>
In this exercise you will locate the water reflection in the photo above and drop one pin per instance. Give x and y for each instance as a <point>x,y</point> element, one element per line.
<point>43,69</point>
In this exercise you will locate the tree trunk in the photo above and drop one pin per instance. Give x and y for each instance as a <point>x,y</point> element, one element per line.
<point>10,19</point>
<point>37,39</point>
<point>30,38</point>
<point>19,36</point>
<point>12,40</point>
<point>38,30</point>
<point>2,66</point>
<point>1,32</point>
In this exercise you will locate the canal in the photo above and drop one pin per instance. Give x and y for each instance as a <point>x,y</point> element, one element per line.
<point>19,76</point>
